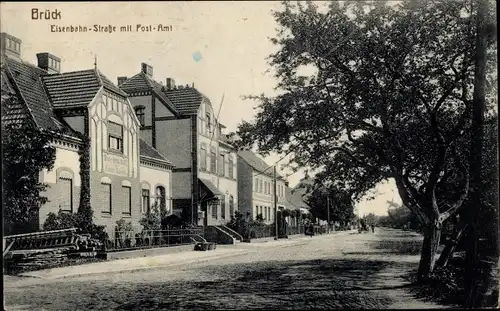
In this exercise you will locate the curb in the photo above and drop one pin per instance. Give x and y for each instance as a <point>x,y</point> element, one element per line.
<point>70,275</point>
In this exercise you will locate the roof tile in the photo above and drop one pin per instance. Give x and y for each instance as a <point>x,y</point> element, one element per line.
<point>257,163</point>
<point>148,151</point>
<point>27,79</point>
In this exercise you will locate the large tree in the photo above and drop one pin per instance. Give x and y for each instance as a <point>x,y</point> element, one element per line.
<point>369,92</point>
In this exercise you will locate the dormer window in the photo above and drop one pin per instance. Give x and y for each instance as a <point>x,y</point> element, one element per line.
<point>140,113</point>
<point>115,137</point>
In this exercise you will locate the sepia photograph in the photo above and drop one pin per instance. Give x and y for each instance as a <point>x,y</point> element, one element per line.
<point>239,155</point>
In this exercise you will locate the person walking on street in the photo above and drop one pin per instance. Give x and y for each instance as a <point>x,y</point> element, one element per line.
<point>373,228</point>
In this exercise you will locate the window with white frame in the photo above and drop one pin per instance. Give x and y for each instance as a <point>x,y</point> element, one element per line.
<point>115,136</point>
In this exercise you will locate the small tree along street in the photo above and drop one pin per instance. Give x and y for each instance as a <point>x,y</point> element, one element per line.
<point>370,92</point>
<point>26,151</point>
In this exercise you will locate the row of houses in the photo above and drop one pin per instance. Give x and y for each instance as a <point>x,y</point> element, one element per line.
<point>151,144</point>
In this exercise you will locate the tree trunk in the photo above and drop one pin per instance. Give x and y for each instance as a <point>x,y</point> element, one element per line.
<point>450,247</point>
<point>475,162</point>
<point>432,236</point>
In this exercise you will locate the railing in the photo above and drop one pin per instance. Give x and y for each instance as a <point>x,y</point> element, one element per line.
<point>129,240</point>
<point>40,240</point>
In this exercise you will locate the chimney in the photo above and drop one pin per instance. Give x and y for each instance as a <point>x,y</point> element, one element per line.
<point>49,62</point>
<point>170,84</point>
<point>11,45</point>
<point>121,80</point>
<point>148,70</point>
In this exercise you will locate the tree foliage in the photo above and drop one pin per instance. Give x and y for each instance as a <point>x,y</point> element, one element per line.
<point>388,95</point>
<point>27,150</point>
<point>341,205</point>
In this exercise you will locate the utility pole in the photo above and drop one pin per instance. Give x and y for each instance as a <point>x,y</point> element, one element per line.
<point>275,201</point>
<point>328,212</point>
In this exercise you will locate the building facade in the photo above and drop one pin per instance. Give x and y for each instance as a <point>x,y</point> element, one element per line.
<point>181,124</point>
<point>86,103</point>
<point>256,187</point>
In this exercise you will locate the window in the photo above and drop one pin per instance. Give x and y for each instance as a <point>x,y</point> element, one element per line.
<point>260,185</point>
<point>223,207</point>
<point>66,188</point>
<point>203,158</point>
<point>209,124</point>
<point>222,168</point>
<point>214,211</point>
<point>269,213</point>
<point>128,206</point>
<point>256,185</point>
<point>160,198</point>
<point>140,113</point>
<point>230,167</point>
<point>106,198</point>
<point>213,161</point>
<point>231,205</point>
<point>145,201</point>
<point>115,131</point>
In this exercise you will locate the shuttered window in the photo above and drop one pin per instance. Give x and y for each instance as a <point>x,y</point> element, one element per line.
<point>115,132</point>
<point>106,200</point>
<point>66,199</point>
<point>127,208</point>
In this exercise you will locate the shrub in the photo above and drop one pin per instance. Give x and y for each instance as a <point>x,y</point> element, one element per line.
<point>65,220</point>
<point>124,232</point>
<point>444,285</point>
<point>59,221</point>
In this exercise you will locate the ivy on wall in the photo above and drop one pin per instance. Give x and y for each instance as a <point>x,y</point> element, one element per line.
<point>85,213</point>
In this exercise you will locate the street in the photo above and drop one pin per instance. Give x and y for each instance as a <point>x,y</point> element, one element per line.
<point>341,270</point>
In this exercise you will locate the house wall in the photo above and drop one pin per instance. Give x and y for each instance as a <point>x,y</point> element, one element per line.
<point>112,167</point>
<point>263,202</point>
<point>161,110</point>
<point>245,187</point>
<point>66,165</point>
<point>181,185</point>
<point>226,184</point>
<point>173,140</point>
<point>77,123</point>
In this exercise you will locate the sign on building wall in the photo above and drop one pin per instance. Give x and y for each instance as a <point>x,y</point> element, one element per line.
<point>116,165</point>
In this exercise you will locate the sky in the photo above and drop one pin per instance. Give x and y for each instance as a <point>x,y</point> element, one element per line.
<point>221,47</point>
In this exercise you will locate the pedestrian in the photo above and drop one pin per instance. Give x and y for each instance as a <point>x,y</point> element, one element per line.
<point>373,228</point>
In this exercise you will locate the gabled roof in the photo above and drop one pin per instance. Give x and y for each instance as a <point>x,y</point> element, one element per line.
<point>187,100</point>
<point>142,82</point>
<point>14,111</point>
<point>25,79</point>
<point>148,152</point>
<point>77,88</point>
<point>257,163</point>
<point>182,100</point>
